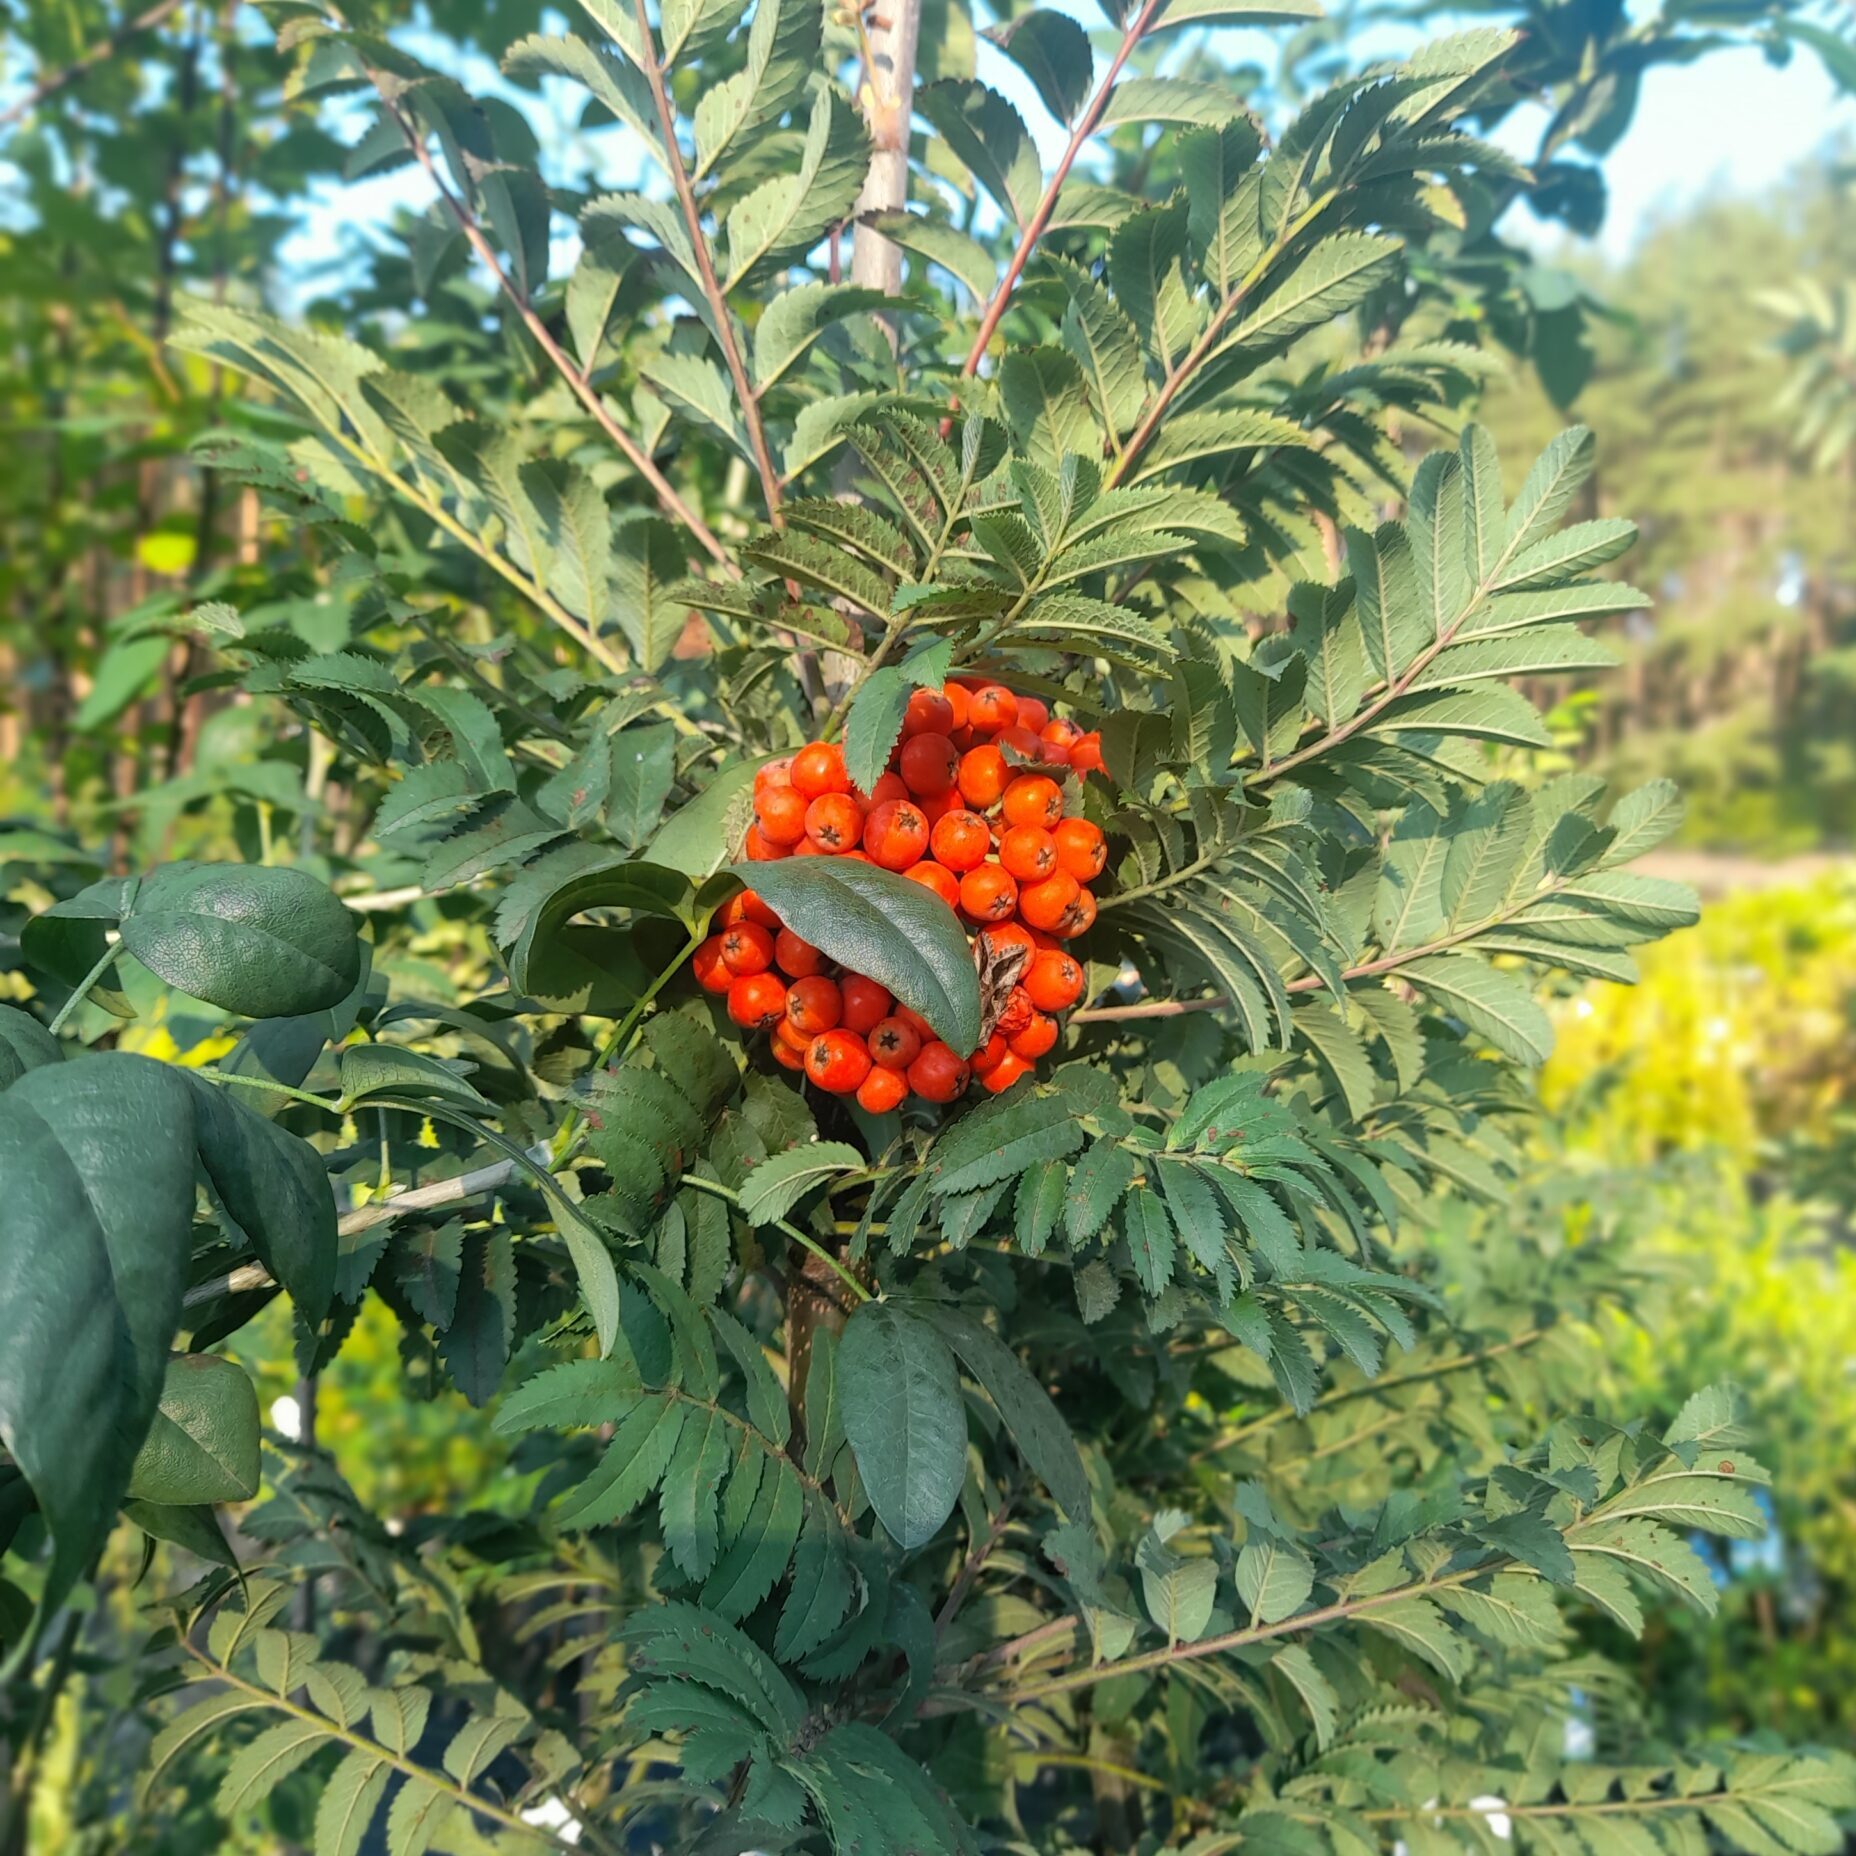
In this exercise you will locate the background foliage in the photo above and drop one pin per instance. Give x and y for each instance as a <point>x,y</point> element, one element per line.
<point>241,625</point>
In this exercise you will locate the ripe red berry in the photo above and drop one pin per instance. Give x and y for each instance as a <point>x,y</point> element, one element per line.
<point>938,1074</point>
<point>837,1061</point>
<point>1029,852</point>
<point>834,822</point>
<point>757,1000</point>
<point>894,1044</point>
<point>1081,915</point>
<point>989,1055</point>
<point>1055,980</point>
<point>928,764</point>
<point>865,1002</point>
<point>960,840</point>
<point>1081,848</point>
<point>988,894</point>
<point>882,1090</point>
<point>819,768</point>
<point>936,877</point>
<point>1033,799</point>
<point>1086,754</point>
<point>761,849</point>
<point>781,813</point>
<point>1051,904</point>
<point>711,970</point>
<point>1005,1073</point>
<point>795,958</point>
<point>1039,1036</point>
<point>957,698</point>
<point>1001,937</point>
<point>983,774</point>
<point>895,834</point>
<point>747,948</point>
<point>1033,714</point>
<point>928,713</point>
<point>992,708</point>
<point>749,906</point>
<point>814,1004</point>
<point>786,1056</point>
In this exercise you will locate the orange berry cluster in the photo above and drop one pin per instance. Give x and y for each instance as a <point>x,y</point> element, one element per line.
<point>984,833</point>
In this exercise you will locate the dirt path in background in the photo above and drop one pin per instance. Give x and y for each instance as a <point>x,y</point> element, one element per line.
<point>1716,873</point>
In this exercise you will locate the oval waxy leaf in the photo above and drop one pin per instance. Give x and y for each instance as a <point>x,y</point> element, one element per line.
<point>260,942</point>
<point>904,1418</point>
<point>98,1159</point>
<point>203,1443</point>
<point>879,924</point>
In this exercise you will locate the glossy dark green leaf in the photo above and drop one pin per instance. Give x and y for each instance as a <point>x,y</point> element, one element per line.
<point>877,923</point>
<point>271,1186</point>
<point>265,943</point>
<point>904,1418</point>
<point>203,1443</point>
<point>25,1045</point>
<point>97,1156</point>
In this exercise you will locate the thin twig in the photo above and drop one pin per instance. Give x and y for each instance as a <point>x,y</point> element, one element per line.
<point>575,377</point>
<point>95,55</point>
<point>705,267</point>
<point>1086,126</point>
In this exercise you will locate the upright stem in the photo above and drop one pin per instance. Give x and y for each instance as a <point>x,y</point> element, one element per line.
<point>888,100</point>
<point>1086,126</point>
<point>582,389</point>
<point>705,267</point>
<point>83,988</point>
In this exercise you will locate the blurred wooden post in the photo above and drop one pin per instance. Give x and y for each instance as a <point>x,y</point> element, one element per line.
<point>887,97</point>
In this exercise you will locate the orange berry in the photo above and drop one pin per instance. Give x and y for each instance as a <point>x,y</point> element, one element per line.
<point>795,958</point>
<point>786,1057</point>
<point>896,834</point>
<point>747,948</point>
<point>1033,714</point>
<point>773,775</point>
<point>938,1074</point>
<point>988,894</point>
<point>806,848</point>
<point>819,769</point>
<point>857,856</point>
<point>1033,799</point>
<point>1086,754</point>
<point>837,1061</point>
<point>989,1055</point>
<point>928,763</point>
<point>711,971</point>
<point>757,1000</point>
<point>882,1090</point>
<point>928,713</point>
<point>888,786</point>
<point>789,1034</point>
<point>938,878</point>
<point>894,1044</point>
<point>1081,848</point>
<point>957,698</point>
<point>814,1004</point>
<point>960,840</point>
<point>1061,735</point>
<point>1055,980</point>
<point>1017,1014</point>
<point>992,708</point>
<point>781,813</point>
<point>1029,852</point>
<point>865,1003</point>
<point>983,774</point>
<point>1039,1036</point>
<point>761,849</point>
<point>834,822</point>
<point>1005,1073</point>
<point>750,906</point>
<point>1081,916</point>
<point>1051,904</point>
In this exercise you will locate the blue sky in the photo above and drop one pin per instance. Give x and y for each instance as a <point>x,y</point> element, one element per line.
<point>1730,123</point>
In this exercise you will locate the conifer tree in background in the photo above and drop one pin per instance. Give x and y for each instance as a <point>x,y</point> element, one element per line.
<point>954,1477</point>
